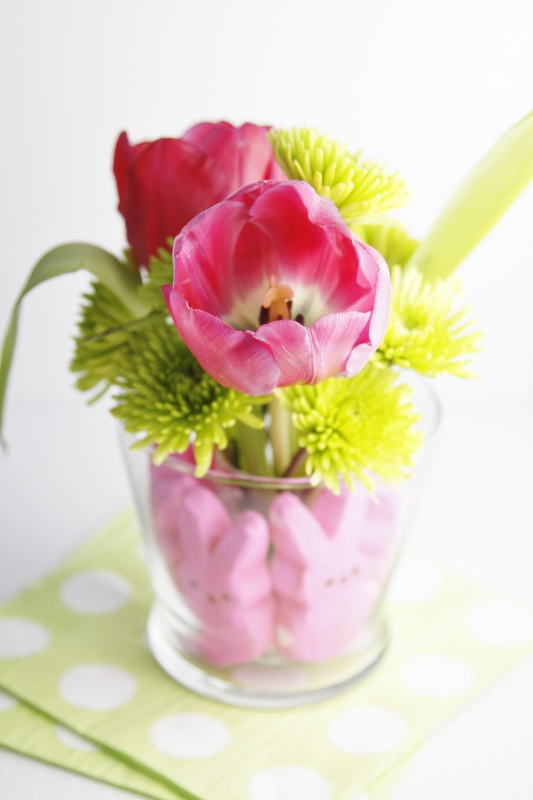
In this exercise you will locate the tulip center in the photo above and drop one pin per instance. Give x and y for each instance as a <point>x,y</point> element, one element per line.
<point>276,303</point>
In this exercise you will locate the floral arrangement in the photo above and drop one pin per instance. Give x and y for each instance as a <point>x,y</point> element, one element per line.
<point>256,339</point>
<point>269,305</point>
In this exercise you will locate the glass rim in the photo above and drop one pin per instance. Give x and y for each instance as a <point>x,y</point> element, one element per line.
<point>246,480</point>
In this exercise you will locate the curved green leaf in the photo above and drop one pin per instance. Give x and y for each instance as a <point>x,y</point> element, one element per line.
<point>118,277</point>
<point>483,197</point>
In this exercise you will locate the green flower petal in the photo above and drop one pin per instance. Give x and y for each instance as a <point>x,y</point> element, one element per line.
<point>359,188</point>
<point>390,239</point>
<point>98,360</point>
<point>160,274</point>
<point>425,333</point>
<point>167,396</point>
<point>360,426</point>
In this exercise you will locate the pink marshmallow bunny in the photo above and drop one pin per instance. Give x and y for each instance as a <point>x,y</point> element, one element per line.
<point>167,488</point>
<point>223,575</point>
<point>327,570</point>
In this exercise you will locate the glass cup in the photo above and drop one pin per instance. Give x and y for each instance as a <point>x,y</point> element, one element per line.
<point>269,592</point>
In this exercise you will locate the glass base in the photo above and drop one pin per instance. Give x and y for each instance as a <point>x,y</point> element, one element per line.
<point>269,682</point>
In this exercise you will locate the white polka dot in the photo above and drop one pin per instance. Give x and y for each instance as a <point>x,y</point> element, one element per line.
<point>97,687</point>
<point>72,741</point>
<point>95,591</point>
<point>22,637</point>
<point>500,623</point>
<point>289,783</point>
<point>267,678</point>
<point>366,729</point>
<point>414,581</point>
<point>432,675</point>
<point>190,735</point>
<point>6,701</point>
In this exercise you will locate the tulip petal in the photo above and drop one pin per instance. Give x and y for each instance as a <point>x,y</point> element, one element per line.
<point>233,358</point>
<point>245,152</point>
<point>376,327</point>
<point>310,355</point>
<point>200,254</point>
<point>312,244</point>
<point>162,185</point>
<point>124,155</point>
<point>169,183</point>
<point>223,264</point>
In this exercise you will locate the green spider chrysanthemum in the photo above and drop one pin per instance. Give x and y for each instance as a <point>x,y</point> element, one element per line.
<point>354,427</point>
<point>390,239</point>
<point>160,274</point>
<point>167,397</point>
<point>424,332</point>
<point>99,359</point>
<point>359,188</point>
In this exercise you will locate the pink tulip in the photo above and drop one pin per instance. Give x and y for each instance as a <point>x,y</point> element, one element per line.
<point>164,184</point>
<point>271,288</point>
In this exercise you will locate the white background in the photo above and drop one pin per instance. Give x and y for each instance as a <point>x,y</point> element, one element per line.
<point>425,87</point>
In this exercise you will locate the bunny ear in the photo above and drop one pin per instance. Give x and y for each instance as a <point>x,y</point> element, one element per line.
<point>167,488</point>
<point>245,544</point>
<point>240,558</point>
<point>329,509</point>
<point>343,517</point>
<point>167,483</point>
<point>295,532</point>
<point>202,521</point>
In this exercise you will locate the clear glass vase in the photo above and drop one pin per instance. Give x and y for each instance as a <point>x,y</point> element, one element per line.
<point>269,592</point>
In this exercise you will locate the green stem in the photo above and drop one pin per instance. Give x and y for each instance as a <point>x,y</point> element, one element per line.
<point>252,455</point>
<point>280,436</point>
<point>134,325</point>
<point>296,468</point>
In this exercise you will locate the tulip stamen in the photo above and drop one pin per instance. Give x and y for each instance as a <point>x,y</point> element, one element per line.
<point>276,303</point>
<point>263,316</point>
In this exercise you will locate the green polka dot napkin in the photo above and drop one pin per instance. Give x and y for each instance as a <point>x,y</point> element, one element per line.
<point>92,699</point>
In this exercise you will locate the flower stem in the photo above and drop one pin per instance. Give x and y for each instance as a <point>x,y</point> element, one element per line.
<point>252,454</point>
<point>134,325</point>
<point>280,436</point>
<point>296,467</point>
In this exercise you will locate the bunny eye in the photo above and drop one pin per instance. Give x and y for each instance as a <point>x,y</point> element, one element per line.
<point>193,584</point>
<point>226,598</point>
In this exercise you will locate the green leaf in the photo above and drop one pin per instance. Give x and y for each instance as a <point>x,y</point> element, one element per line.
<point>118,277</point>
<point>485,195</point>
